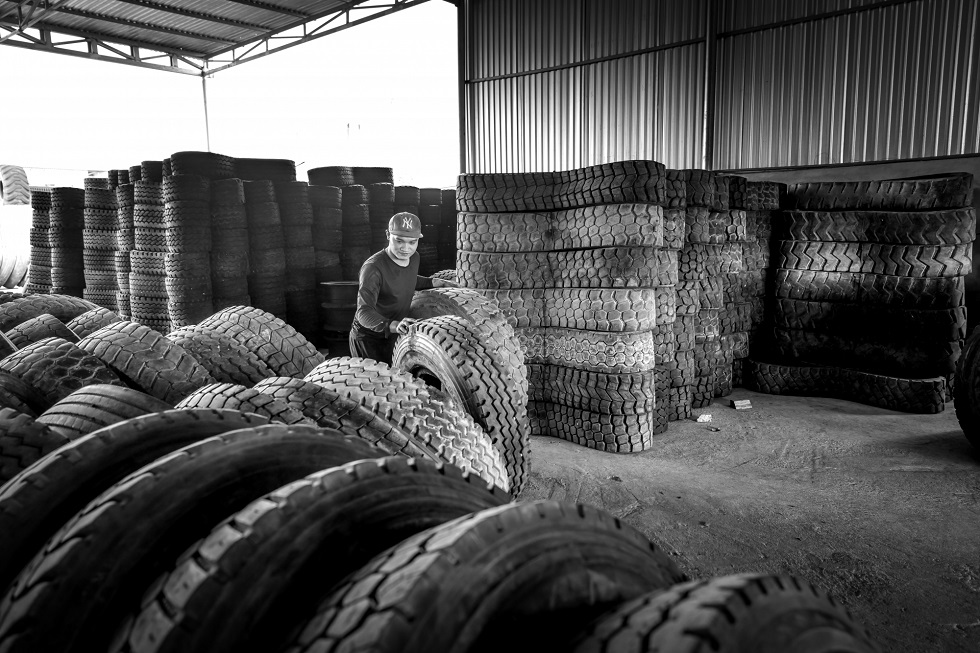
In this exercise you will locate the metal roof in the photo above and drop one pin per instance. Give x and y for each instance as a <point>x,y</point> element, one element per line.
<point>197,37</point>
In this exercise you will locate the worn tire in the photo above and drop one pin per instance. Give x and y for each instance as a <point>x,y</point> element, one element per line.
<point>42,497</point>
<point>147,360</point>
<point>950,227</point>
<point>928,192</point>
<point>883,290</point>
<point>91,321</point>
<point>21,396</point>
<point>238,397</point>
<point>729,614</point>
<point>426,417</point>
<point>23,441</point>
<point>449,351</point>
<point>283,349</point>
<point>342,516</point>
<point>63,307</point>
<point>225,358</point>
<point>14,188</point>
<point>186,493</point>
<point>96,406</point>
<point>37,328</point>
<point>490,581</point>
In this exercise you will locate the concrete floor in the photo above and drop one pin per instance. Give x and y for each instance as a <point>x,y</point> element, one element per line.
<point>880,508</point>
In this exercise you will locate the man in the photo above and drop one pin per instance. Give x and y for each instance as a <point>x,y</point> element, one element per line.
<point>388,279</point>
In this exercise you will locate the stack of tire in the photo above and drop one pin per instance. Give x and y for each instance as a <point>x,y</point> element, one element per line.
<point>67,220</point>
<point>357,230</point>
<point>328,235</point>
<point>125,243</point>
<point>447,234</point>
<point>39,274</point>
<point>577,259</point>
<point>187,211</point>
<point>147,259</point>
<point>430,215</point>
<point>381,206</point>
<point>679,394</point>
<point>296,213</point>
<point>869,291</point>
<point>99,243</point>
<point>266,248</point>
<point>229,244</point>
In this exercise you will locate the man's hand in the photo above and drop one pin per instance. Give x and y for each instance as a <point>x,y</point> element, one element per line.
<point>402,326</point>
<point>444,283</point>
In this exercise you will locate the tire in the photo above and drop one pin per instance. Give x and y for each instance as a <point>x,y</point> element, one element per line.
<point>731,614</point>
<point>287,352</point>
<point>55,368</point>
<point>612,432</point>
<point>909,395</point>
<point>950,227</point>
<point>186,493</point>
<point>91,321</point>
<point>227,360</point>
<point>147,360</point>
<point>96,406</point>
<point>449,351</point>
<point>899,260</point>
<point>868,320</point>
<point>38,328</point>
<point>21,396</point>
<point>425,421</point>
<point>343,516</point>
<point>42,497</point>
<point>14,188</point>
<point>883,290</point>
<point>23,441</point>
<point>238,397</point>
<point>63,307</point>
<point>614,267</point>
<point>966,390</point>
<point>490,580</point>
<point>448,275</point>
<point>609,183</point>
<point>928,192</point>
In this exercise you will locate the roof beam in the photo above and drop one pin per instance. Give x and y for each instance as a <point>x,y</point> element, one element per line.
<point>258,4</point>
<point>190,13</point>
<point>38,9</point>
<point>141,25</point>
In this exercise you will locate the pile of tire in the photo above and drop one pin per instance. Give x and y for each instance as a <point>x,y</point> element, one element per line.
<point>869,291</point>
<point>381,206</point>
<point>229,244</point>
<point>147,259</point>
<point>39,274</point>
<point>430,215</point>
<point>577,260</point>
<point>266,248</point>
<point>125,242</point>
<point>67,220</point>
<point>100,243</point>
<point>447,234</point>
<point>296,213</point>
<point>187,220</point>
<point>357,236</point>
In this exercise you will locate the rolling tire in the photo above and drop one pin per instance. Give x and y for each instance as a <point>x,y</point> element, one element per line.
<point>135,531</point>
<point>449,352</point>
<point>435,425</point>
<point>24,440</point>
<point>35,503</point>
<point>96,406</point>
<point>506,577</point>
<point>258,589</point>
<point>731,614</point>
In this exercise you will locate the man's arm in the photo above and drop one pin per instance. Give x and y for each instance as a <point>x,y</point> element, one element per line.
<point>367,314</point>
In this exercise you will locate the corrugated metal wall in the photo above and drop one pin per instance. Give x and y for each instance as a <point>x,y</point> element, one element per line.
<point>555,84</point>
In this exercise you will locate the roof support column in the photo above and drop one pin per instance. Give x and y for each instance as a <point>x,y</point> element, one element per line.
<point>207,125</point>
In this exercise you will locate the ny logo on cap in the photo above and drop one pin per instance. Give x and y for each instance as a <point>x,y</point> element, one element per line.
<point>407,223</point>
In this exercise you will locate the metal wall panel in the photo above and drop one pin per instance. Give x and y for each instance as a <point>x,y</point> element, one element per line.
<point>895,82</point>
<point>746,14</point>
<point>620,26</point>
<point>517,36</point>
<point>646,107</point>
<point>529,123</point>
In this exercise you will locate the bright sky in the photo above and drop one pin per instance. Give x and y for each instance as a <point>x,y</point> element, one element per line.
<point>380,94</point>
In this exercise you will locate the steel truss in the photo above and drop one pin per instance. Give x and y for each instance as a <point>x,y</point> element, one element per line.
<point>19,27</point>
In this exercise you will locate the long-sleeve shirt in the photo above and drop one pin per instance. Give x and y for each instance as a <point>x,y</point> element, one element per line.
<point>385,291</point>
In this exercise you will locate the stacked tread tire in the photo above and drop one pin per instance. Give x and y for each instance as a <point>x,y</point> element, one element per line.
<point>868,299</point>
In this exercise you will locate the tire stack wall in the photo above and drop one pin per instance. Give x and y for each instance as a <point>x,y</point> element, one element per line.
<point>577,261</point>
<point>147,270</point>
<point>868,291</point>
<point>39,274</point>
<point>99,246</point>
<point>430,215</point>
<point>66,221</point>
<point>296,213</point>
<point>125,242</point>
<point>187,211</point>
<point>679,395</point>
<point>357,230</point>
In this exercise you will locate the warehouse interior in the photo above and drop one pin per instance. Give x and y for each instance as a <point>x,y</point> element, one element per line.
<point>720,251</point>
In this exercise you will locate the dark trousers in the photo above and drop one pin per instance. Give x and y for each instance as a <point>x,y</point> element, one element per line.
<point>365,343</point>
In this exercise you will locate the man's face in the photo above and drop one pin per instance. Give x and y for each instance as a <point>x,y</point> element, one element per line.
<point>402,247</point>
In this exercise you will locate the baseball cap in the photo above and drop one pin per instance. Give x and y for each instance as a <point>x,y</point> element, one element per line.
<point>405,224</point>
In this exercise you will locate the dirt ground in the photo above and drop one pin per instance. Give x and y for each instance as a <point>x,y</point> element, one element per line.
<point>880,508</point>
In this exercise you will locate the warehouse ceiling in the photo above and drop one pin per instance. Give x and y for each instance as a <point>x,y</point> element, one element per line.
<point>196,37</point>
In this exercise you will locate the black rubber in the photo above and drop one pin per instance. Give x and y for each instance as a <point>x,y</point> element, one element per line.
<point>96,406</point>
